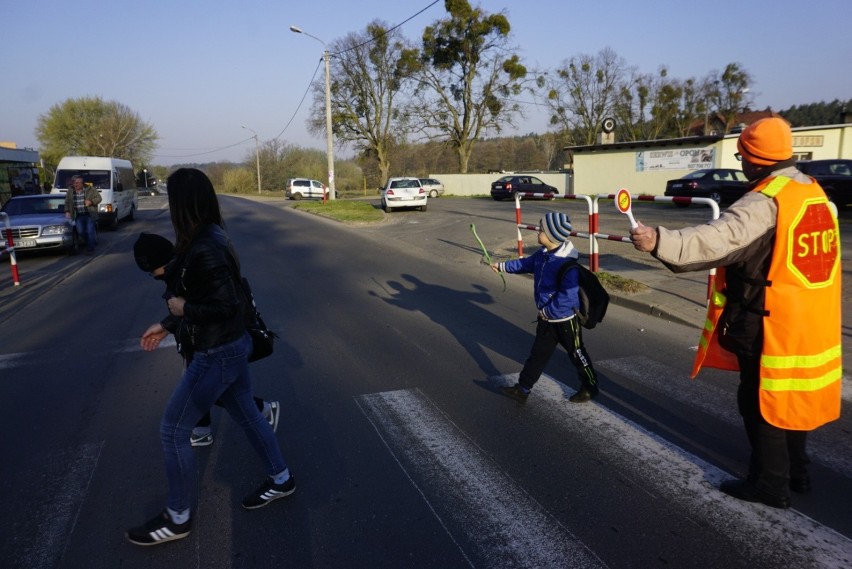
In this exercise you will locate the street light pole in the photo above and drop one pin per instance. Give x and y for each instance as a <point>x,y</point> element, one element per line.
<point>328,136</point>
<point>256,156</point>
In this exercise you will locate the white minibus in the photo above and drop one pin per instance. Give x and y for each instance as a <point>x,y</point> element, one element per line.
<point>114,178</point>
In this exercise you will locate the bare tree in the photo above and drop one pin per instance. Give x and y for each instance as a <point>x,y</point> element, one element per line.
<point>732,94</point>
<point>582,92</point>
<point>652,106</point>
<point>367,79</point>
<point>466,74</point>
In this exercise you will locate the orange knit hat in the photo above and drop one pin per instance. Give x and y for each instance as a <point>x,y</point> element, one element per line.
<point>766,141</point>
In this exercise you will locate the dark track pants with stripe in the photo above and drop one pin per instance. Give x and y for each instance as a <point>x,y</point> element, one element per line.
<point>548,335</point>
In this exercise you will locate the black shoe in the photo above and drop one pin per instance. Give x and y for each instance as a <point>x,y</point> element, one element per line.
<point>748,492</point>
<point>516,392</point>
<point>268,492</point>
<point>801,485</point>
<point>159,530</point>
<point>585,394</point>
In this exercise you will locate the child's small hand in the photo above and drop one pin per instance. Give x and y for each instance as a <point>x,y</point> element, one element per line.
<point>495,267</point>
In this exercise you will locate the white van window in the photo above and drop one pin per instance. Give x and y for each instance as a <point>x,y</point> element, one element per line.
<point>127,179</point>
<point>96,178</point>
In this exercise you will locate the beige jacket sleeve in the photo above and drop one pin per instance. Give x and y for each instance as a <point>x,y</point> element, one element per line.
<point>720,242</point>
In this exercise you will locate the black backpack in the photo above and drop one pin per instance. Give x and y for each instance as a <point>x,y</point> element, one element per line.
<point>594,299</point>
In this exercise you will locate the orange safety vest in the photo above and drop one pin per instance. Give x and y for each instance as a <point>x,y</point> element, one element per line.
<point>800,366</point>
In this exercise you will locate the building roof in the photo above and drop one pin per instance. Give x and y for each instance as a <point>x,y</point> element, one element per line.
<point>662,142</point>
<point>18,155</point>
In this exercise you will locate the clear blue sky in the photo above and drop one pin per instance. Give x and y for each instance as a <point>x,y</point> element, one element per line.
<point>199,69</point>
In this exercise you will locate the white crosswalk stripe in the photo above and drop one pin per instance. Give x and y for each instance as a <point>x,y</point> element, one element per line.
<point>511,532</point>
<point>428,446</point>
<point>830,449</point>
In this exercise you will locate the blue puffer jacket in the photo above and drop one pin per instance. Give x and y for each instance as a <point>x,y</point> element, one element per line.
<point>552,304</point>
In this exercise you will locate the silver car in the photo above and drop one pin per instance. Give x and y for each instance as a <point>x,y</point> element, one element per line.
<point>38,222</point>
<point>432,186</point>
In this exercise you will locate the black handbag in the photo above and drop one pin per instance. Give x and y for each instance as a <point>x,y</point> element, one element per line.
<point>262,338</point>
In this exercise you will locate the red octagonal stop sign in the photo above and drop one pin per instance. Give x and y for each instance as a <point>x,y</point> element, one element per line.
<point>815,245</point>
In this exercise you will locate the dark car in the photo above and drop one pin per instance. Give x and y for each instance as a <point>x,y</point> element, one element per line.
<point>722,185</point>
<point>835,177</point>
<point>506,186</point>
<point>38,222</point>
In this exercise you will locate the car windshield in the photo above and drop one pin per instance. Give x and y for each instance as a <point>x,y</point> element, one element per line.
<point>95,178</point>
<point>35,205</point>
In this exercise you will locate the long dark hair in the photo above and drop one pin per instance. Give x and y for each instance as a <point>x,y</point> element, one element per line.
<point>192,204</point>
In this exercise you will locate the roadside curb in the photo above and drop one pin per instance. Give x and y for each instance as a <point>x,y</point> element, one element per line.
<point>651,309</point>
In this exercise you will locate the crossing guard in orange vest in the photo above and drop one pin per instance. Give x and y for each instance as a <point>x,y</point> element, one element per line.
<point>778,253</point>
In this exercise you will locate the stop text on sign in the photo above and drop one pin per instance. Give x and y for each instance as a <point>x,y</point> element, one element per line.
<point>816,243</point>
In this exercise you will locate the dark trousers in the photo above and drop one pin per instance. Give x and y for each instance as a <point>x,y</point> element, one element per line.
<point>566,334</point>
<point>777,455</point>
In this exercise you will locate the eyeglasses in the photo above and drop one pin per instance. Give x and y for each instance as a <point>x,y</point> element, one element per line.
<point>738,156</point>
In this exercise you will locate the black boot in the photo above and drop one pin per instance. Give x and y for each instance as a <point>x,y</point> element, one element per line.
<point>586,393</point>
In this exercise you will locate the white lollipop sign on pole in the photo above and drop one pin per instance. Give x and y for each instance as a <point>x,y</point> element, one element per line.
<point>622,203</point>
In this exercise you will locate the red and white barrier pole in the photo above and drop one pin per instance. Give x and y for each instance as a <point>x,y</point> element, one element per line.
<point>518,224</point>
<point>10,248</point>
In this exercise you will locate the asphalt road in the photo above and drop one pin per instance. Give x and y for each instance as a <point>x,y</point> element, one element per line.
<point>394,341</point>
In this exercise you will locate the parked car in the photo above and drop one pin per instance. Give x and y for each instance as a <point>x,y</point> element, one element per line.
<point>722,185</point>
<point>298,188</point>
<point>403,192</point>
<point>835,177</point>
<point>506,186</point>
<point>432,186</point>
<point>38,222</point>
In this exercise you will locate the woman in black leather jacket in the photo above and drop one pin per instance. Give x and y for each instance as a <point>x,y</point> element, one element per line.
<point>208,318</point>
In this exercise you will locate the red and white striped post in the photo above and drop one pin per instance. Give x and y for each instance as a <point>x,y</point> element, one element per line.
<point>10,248</point>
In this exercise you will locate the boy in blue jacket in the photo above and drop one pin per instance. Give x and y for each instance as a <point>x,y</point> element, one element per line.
<point>557,303</point>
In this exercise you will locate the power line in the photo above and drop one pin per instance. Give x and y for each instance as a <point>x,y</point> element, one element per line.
<point>299,106</point>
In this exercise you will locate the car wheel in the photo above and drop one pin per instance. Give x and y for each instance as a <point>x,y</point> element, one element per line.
<point>296,196</point>
<point>422,208</point>
<point>132,215</point>
<point>387,208</point>
<point>716,197</point>
<point>433,194</point>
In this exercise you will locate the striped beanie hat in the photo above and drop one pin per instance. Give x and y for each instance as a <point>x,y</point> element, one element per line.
<point>556,226</point>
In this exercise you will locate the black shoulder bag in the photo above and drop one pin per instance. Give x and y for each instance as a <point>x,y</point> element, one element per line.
<point>262,337</point>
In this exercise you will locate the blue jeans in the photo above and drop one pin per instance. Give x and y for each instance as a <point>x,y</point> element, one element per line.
<point>218,373</point>
<point>86,227</point>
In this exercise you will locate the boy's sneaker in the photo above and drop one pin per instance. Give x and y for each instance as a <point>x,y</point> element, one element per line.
<point>272,414</point>
<point>159,530</point>
<point>201,440</point>
<point>268,492</point>
<point>516,392</point>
